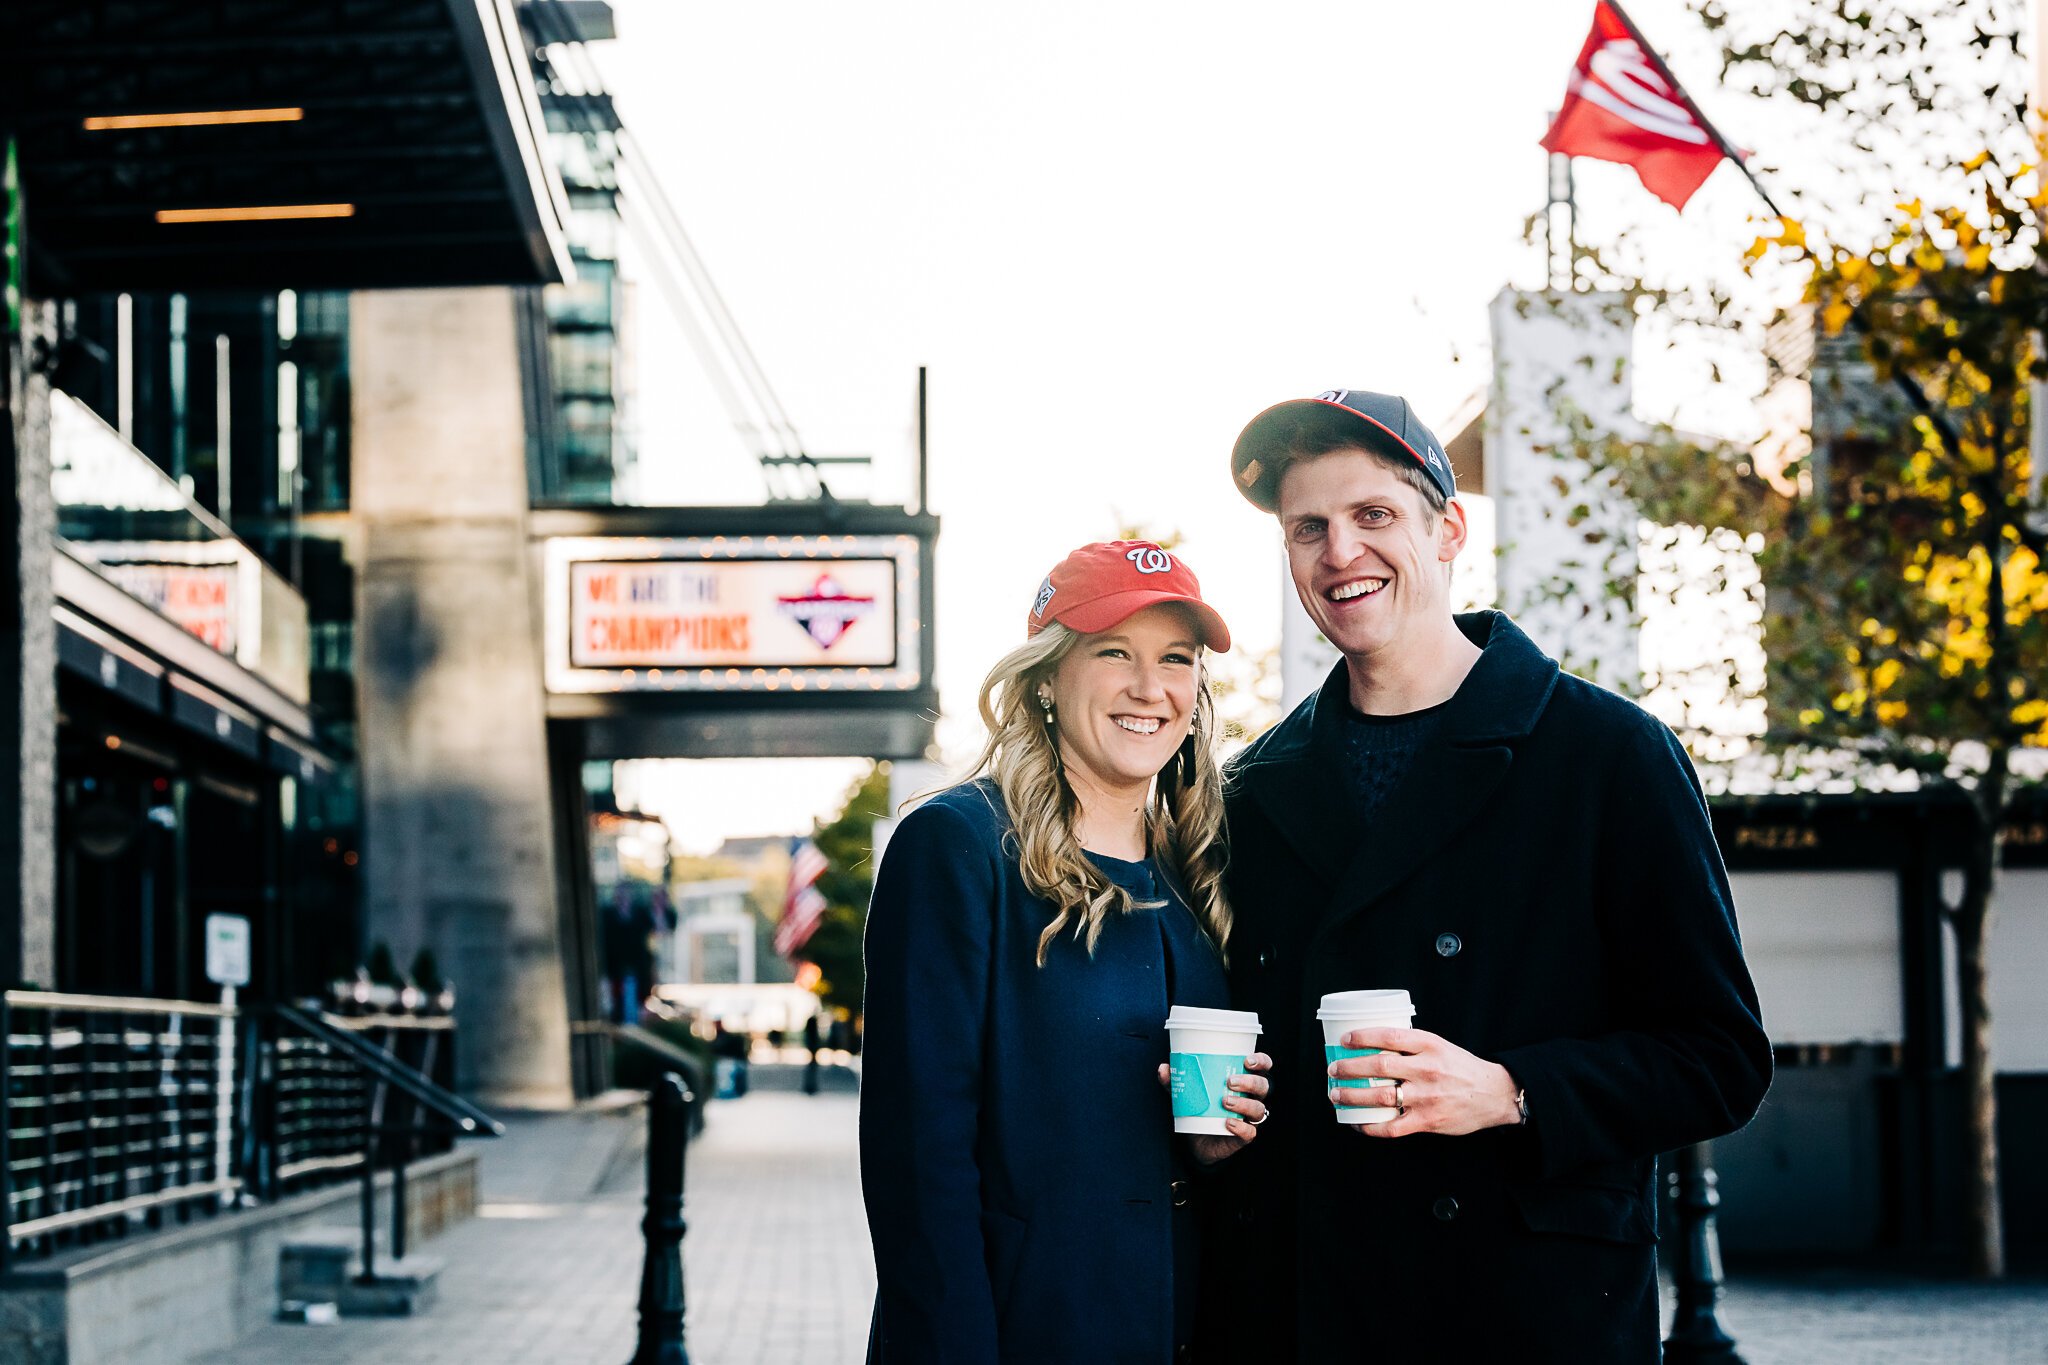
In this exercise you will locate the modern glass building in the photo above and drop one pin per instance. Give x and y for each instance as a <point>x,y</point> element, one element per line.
<point>185,600</point>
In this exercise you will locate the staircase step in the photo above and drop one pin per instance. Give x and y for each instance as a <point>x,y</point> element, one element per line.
<point>319,1273</point>
<point>402,1288</point>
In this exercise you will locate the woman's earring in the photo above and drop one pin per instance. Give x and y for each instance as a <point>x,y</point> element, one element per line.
<point>1045,705</point>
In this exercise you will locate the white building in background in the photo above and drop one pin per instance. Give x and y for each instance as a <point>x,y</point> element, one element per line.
<point>714,936</point>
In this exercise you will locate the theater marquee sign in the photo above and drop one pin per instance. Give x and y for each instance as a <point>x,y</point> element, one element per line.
<point>732,613</point>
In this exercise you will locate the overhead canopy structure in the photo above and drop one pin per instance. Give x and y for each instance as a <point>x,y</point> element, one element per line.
<point>345,144</point>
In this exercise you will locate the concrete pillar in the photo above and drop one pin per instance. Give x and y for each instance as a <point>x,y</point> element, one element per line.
<point>1566,556</point>
<point>28,671</point>
<point>459,845</point>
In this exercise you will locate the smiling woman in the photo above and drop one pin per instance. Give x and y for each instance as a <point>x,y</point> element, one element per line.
<point>1029,934</point>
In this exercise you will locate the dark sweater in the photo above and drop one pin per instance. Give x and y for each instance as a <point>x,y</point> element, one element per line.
<point>1379,751</point>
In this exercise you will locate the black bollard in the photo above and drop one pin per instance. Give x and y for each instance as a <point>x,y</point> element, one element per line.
<point>1696,1334</point>
<point>661,1278</point>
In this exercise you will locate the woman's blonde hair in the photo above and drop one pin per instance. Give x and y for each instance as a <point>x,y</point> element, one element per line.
<point>1183,821</point>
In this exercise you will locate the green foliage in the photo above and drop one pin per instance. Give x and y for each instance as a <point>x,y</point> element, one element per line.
<point>848,843</point>
<point>1906,599</point>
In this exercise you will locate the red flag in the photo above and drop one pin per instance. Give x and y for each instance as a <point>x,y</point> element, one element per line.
<point>1623,105</point>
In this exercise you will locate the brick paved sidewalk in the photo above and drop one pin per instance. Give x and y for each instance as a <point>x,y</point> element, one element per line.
<point>779,1273</point>
<point>1843,1319</point>
<point>776,1259</point>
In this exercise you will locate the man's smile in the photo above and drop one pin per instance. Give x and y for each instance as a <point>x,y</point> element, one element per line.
<point>1357,587</point>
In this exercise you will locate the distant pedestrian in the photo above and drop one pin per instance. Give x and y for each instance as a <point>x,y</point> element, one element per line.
<point>1029,932</point>
<point>729,1059</point>
<point>811,1044</point>
<point>627,931</point>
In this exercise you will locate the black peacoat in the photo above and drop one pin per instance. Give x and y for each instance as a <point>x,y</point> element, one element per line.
<point>1546,885</point>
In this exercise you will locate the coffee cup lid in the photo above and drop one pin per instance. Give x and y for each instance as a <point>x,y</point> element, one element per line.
<point>1191,1016</point>
<point>1348,1004</point>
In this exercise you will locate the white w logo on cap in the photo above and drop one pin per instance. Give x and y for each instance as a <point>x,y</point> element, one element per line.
<point>1150,559</point>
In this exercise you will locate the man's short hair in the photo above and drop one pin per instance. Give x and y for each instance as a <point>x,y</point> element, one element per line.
<point>1314,432</point>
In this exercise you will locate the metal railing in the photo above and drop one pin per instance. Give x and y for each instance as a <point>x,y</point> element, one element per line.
<point>116,1113</point>
<point>400,1107</point>
<point>320,1094</point>
<point>113,1112</point>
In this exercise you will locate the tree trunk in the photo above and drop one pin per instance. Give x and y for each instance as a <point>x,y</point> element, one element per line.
<point>1972,921</point>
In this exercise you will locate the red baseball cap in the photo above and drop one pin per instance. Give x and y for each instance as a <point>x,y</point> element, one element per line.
<point>1099,585</point>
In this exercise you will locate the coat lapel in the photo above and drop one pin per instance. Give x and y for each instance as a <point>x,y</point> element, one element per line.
<point>1457,774</point>
<point>1299,784</point>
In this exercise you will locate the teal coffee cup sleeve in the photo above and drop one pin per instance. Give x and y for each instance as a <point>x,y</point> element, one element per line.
<point>1201,1081</point>
<point>1333,1053</point>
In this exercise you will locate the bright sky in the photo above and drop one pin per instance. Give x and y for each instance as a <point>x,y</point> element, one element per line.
<point>1114,232</point>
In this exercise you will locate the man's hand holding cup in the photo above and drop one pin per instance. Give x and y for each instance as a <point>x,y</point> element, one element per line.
<point>1442,1087</point>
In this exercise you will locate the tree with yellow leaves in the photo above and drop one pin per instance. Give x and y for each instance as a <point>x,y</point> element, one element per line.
<point>1901,543</point>
<point>1917,611</point>
<point>1902,560</point>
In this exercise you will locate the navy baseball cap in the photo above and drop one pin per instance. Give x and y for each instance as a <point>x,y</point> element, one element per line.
<point>1381,421</point>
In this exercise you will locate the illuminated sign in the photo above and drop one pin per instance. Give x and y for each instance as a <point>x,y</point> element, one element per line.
<point>736,613</point>
<point>731,613</point>
<point>200,597</point>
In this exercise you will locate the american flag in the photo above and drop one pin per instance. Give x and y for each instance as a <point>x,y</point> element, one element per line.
<point>802,903</point>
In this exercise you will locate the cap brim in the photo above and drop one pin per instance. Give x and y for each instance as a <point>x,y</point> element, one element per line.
<point>1254,463</point>
<point>1092,618</point>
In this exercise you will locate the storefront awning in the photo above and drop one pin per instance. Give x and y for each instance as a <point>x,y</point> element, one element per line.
<point>350,144</point>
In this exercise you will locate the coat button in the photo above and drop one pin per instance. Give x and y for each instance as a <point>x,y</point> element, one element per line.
<point>1180,1194</point>
<point>1449,945</point>
<point>1445,1209</point>
<point>1265,958</point>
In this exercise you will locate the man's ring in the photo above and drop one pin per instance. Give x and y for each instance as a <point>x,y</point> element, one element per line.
<point>1263,1116</point>
<point>1400,1105</point>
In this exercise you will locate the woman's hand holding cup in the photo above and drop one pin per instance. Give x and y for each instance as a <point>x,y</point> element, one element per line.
<point>1246,1103</point>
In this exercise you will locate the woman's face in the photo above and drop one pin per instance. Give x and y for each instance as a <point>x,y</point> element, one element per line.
<point>1123,700</point>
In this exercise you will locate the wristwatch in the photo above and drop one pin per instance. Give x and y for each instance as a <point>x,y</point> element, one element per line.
<point>1522,1104</point>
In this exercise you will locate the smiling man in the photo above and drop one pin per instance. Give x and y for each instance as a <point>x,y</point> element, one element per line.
<point>1528,856</point>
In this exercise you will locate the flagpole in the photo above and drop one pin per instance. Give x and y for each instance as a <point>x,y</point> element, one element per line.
<point>1559,193</point>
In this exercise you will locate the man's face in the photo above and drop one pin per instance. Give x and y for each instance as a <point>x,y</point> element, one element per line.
<point>1366,552</point>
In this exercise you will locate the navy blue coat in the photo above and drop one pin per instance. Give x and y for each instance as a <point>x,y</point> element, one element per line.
<point>1024,1187</point>
<point>1545,884</point>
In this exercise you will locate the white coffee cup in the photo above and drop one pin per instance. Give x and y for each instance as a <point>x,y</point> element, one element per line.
<point>1343,1011</point>
<point>1207,1048</point>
